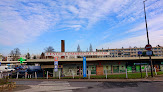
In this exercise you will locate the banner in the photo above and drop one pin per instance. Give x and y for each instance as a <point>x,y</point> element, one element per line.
<point>76,53</point>
<point>84,67</point>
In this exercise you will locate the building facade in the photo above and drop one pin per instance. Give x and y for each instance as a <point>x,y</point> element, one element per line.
<point>131,52</point>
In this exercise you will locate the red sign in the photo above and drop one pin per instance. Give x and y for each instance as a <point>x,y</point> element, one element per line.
<point>76,53</point>
<point>55,58</point>
<point>148,47</point>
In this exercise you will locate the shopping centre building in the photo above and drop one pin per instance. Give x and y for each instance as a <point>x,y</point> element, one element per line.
<point>99,62</point>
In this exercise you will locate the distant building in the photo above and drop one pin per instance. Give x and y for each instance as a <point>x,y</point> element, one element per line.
<point>35,56</point>
<point>131,52</point>
<point>11,58</point>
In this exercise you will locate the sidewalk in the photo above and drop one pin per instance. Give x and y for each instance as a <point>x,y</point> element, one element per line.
<point>156,78</point>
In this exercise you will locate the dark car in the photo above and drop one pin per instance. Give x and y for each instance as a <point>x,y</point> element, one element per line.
<point>21,74</point>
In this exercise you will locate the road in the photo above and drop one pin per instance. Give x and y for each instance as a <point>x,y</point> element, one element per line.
<point>65,86</point>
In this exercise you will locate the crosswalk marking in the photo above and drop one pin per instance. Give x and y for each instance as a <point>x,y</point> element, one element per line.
<point>51,86</point>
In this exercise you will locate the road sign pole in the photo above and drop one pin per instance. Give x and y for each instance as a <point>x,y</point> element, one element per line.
<point>151,66</point>
<point>148,38</point>
<point>140,66</point>
<point>55,65</point>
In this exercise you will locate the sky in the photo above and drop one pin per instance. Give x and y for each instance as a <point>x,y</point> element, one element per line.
<point>33,25</point>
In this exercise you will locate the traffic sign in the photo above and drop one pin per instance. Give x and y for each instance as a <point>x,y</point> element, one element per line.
<point>148,47</point>
<point>139,52</point>
<point>149,53</point>
<point>55,67</point>
<point>56,58</point>
<point>55,70</point>
<point>56,63</point>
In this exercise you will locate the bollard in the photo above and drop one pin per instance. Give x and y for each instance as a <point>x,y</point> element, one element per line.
<point>59,74</point>
<point>28,75</point>
<point>106,74</point>
<point>146,73</point>
<point>35,75</point>
<point>89,74</point>
<point>73,74</point>
<point>8,75</point>
<point>25,75</point>
<point>53,73</point>
<point>0,75</point>
<point>155,71</point>
<point>17,75</point>
<point>47,75</point>
<point>126,73</point>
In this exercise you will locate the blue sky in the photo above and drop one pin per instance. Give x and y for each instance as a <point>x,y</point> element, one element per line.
<point>32,25</point>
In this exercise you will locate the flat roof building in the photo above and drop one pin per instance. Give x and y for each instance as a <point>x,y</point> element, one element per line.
<point>131,52</point>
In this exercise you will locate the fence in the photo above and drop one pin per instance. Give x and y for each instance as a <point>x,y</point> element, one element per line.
<point>90,74</point>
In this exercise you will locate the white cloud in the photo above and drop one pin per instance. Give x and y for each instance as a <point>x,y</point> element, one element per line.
<point>24,20</point>
<point>153,24</point>
<point>155,30</point>
<point>156,37</point>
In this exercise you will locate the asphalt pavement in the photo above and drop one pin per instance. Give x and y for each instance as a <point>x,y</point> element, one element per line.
<point>89,85</point>
<point>65,86</point>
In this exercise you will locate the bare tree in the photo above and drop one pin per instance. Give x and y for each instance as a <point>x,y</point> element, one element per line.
<point>49,49</point>
<point>42,56</point>
<point>90,48</point>
<point>78,48</point>
<point>12,54</point>
<point>34,57</point>
<point>15,54</point>
<point>28,56</point>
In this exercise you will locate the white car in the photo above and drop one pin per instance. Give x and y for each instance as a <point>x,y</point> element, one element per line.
<point>5,69</point>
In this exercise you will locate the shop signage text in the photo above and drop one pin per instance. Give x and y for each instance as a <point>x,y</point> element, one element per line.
<point>76,53</point>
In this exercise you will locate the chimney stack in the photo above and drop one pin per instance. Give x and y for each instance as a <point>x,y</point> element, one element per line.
<point>62,45</point>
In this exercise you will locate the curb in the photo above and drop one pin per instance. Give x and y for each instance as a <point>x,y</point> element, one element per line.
<point>91,80</point>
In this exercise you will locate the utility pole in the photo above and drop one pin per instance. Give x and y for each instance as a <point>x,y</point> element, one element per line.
<point>148,39</point>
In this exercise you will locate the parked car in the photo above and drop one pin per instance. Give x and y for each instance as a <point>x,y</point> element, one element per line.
<point>6,69</point>
<point>21,74</point>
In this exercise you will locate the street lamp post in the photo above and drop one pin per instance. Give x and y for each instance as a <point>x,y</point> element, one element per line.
<point>148,39</point>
